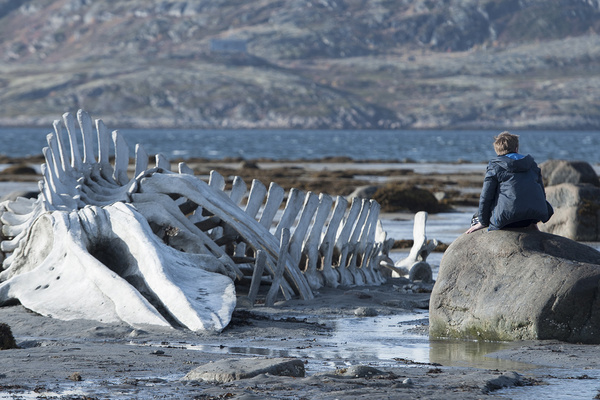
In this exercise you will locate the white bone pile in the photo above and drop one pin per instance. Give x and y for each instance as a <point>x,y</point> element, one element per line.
<point>147,245</point>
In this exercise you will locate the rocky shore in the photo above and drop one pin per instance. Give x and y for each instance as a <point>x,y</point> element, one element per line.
<point>87,360</point>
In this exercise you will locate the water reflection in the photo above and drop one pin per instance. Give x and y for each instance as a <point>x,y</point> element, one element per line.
<point>466,353</point>
<point>559,384</point>
<point>381,338</point>
<point>384,341</point>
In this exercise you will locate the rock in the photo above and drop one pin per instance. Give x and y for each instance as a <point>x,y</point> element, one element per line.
<point>7,340</point>
<point>555,172</point>
<point>572,187</point>
<point>359,371</point>
<point>75,377</point>
<point>401,197</point>
<point>12,196</point>
<point>19,169</point>
<point>420,271</point>
<point>363,192</point>
<point>247,164</point>
<point>234,369</point>
<point>136,333</point>
<point>508,379</point>
<point>576,211</point>
<point>365,312</point>
<point>517,285</point>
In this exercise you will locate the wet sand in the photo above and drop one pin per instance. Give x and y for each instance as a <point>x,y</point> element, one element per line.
<point>89,360</point>
<point>85,359</point>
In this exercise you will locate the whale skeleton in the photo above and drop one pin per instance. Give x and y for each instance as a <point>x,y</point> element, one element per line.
<point>115,242</point>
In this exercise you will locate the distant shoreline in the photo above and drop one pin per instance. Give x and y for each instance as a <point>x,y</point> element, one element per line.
<point>7,124</point>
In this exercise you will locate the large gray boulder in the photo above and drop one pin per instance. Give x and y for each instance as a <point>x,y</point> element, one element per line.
<point>576,212</point>
<point>555,172</point>
<point>572,188</point>
<point>517,285</point>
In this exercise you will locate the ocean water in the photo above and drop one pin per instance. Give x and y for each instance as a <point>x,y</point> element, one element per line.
<point>422,146</point>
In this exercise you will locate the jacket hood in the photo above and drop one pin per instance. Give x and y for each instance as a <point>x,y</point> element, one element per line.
<point>512,165</point>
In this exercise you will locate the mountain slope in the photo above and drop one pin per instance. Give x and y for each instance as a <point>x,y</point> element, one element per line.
<point>303,64</point>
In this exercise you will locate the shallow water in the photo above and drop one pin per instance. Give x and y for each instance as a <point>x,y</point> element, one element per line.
<point>559,384</point>
<point>417,145</point>
<point>445,227</point>
<point>382,341</point>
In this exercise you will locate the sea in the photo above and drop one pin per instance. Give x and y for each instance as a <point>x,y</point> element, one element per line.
<point>421,146</point>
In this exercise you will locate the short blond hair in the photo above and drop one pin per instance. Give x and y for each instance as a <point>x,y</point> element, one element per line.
<point>506,143</point>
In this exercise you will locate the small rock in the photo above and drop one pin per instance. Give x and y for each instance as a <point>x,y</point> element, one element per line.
<point>365,312</point>
<point>248,165</point>
<point>507,379</point>
<point>135,333</point>
<point>234,369</point>
<point>363,192</point>
<point>359,371</point>
<point>7,340</point>
<point>243,302</point>
<point>76,377</point>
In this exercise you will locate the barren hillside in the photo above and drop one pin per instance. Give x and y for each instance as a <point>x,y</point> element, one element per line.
<point>303,63</point>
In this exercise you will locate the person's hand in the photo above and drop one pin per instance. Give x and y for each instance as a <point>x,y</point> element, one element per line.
<point>475,228</point>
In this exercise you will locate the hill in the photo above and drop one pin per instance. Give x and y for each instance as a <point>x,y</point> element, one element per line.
<point>303,63</point>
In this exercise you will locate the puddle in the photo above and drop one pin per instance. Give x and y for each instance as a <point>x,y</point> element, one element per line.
<point>464,353</point>
<point>134,388</point>
<point>382,338</point>
<point>559,384</point>
<point>384,341</point>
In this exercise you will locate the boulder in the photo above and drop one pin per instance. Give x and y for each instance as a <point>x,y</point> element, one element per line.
<point>573,189</point>
<point>555,172</point>
<point>517,285</point>
<point>576,211</point>
<point>396,196</point>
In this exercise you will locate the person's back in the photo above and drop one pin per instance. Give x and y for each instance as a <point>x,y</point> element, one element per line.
<point>513,191</point>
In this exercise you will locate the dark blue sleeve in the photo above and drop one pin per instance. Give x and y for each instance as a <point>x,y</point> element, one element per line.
<point>488,196</point>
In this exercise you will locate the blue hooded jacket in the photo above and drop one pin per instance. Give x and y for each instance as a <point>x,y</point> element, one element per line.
<point>512,191</point>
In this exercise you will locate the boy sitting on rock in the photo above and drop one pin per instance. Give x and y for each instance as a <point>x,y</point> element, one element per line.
<point>513,193</point>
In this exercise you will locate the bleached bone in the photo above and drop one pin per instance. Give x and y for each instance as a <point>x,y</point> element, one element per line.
<point>66,276</point>
<point>181,236</point>
<point>331,275</point>
<point>257,275</point>
<point>415,264</point>
<point>311,244</point>
<point>280,267</point>
<point>72,184</point>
